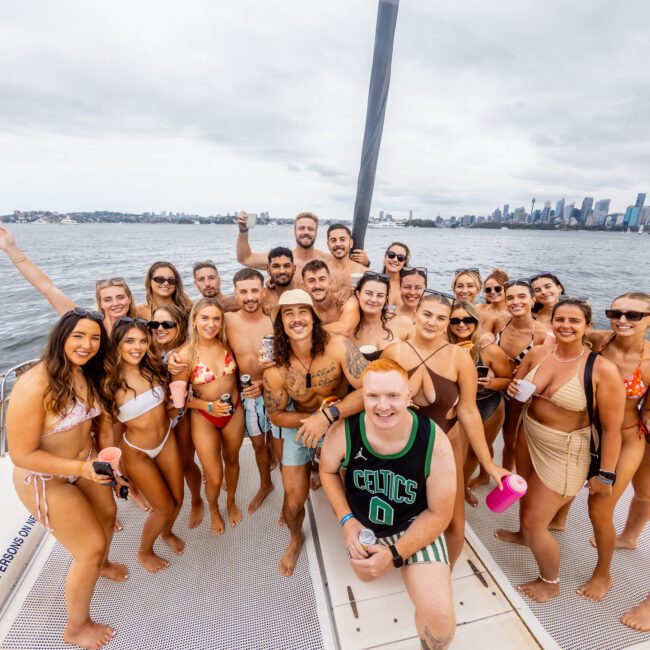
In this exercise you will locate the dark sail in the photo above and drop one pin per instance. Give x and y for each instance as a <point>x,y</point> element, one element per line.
<point>377,99</point>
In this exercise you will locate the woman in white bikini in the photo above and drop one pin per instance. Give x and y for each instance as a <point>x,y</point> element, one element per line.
<point>48,425</point>
<point>138,382</point>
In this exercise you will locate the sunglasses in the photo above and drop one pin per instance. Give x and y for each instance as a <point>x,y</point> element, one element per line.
<point>391,255</point>
<point>161,279</point>
<point>565,298</point>
<point>433,292</point>
<point>110,282</point>
<point>634,316</point>
<point>412,270</point>
<point>472,269</point>
<point>467,320</point>
<point>373,275</point>
<point>128,319</point>
<point>543,274</point>
<point>497,289</point>
<point>522,282</point>
<point>165,324</point>
<point>87,313</point>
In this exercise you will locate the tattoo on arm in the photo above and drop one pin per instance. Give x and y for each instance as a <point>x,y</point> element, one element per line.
<point>272,399</point>
<point>354,360</point>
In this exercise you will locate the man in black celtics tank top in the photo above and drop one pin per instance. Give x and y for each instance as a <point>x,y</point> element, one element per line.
<point>400,482</point>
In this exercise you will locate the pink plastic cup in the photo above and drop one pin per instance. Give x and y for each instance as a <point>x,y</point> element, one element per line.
<point>514,487</point>
<point>179,392</point>
<point>111,455</point>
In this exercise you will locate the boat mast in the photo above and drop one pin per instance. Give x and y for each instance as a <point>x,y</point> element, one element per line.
<point>377,100</point>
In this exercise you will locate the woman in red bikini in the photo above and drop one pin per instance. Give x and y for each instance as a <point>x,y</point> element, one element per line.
<point>625,346</point>
<point>217,427</point>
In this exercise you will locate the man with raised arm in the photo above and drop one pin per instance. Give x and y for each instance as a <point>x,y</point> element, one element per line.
<point>400,482</point>
<point>338,311</point>
<point>311,366</point>
<point>282,271</point>
<point>208,281</point>
<point>246,329</point>
<point>345,261</point>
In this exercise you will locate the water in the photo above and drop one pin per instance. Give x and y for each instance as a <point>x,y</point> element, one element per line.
<point>599,265</point>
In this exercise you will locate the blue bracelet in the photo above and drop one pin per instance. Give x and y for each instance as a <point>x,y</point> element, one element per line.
<point>606,481</point>
<point>347,517</point>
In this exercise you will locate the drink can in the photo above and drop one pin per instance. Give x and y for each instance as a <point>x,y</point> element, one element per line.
<point>226,399</point>
<point>245,381</point>
<point>267,344</point>
<point>367,538</point>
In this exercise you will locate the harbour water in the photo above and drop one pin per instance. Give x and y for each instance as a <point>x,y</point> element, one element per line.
<point>598,265</point>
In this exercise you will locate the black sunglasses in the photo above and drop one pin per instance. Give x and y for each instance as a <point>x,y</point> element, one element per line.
<point>412,270</point>
<point>391,255</point>
<point>472,269</point>
<point>128,319</point>
<point>497,289</point>
<point>634,316</point>
<point>87,313</point>
<point>523,282</point>
<point>161,279</point>
<point>467,320</point>
<point>373,275</point>
<point>433,292</point>
<point>544,274</point>
<point>165,324</point>
<point>581,299</point>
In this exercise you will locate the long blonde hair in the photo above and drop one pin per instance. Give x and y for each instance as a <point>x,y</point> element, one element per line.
<point>192,337</point>
<point>476,335</point>
<point>116,282</point>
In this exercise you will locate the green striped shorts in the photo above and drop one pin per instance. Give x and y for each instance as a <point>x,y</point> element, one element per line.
<point>434,552</point>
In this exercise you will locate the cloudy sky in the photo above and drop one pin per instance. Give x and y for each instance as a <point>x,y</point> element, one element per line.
<point>207,107</point>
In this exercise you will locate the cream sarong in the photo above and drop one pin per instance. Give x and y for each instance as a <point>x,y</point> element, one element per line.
<point>561,459</point>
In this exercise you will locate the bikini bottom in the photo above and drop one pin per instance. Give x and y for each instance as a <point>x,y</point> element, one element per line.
<point>488,405</point>
<point>220,421</point>
<point>152,453</point>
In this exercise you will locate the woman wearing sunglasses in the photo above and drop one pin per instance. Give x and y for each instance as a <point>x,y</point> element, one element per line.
<point>374,331</point>
<point>494,375</point>
<point>113,296</point>
<point>443,382</point>
<point>467,284</point>
<point>217,425</point>
<point>164,286</point>
<point>413,282</point>
<point>396,258</point>
<point>547,290</point>
<point>494,291</point>
<point>169,331</point>
<point>553,454</point>
<point>49,422</point>
<point>138,383</point>
<point>516,334</point>
<point>625,346</point>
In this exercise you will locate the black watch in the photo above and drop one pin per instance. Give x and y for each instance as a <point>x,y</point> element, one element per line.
<point>398,560</point>
<point>335,413</point>
<point>609,476</point>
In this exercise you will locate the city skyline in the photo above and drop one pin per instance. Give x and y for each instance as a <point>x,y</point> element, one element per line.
<point>156,107</point>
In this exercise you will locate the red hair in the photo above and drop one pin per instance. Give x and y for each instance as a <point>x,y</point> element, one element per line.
<point>384,365</point>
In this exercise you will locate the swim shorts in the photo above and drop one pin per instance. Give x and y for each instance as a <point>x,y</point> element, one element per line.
<point>256,419</point>
<point>434,552</point>
<point>294,453</point>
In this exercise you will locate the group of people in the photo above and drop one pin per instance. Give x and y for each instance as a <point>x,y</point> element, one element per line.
<point>374,384</point>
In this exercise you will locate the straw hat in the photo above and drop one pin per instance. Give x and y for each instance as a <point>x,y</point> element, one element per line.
<point>294,297</point>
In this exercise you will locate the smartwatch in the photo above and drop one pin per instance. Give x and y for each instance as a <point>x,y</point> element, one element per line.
<point>398,560</point>
<point>335,413</point>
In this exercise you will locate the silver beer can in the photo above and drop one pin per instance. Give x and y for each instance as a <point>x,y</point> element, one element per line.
<point>245,381</point>
<point>226,399</point>
<point>367,538</point>
<point>267,344</point>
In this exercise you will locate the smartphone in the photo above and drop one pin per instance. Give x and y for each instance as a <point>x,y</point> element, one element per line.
<point>482,371</point>
<point>251,219</point>
<point>105,469</point>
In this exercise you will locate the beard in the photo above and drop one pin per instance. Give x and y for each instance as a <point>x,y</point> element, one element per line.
<point>305,242</point>
<point>282,280</point>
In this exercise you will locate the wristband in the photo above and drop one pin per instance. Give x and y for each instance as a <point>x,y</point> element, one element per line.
<point>327,417</point>
<point>209,407</point>
<point>347,517</point>
<point>244,230</point>
<point>606,481</point>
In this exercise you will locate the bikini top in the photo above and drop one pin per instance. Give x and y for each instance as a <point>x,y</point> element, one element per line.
<point>140,404</point>
<point>203,375</point>
<point>634,386</point>
<point>520,357</point>
<point>570,396</point>
<point>76,414</point>
<point>447,393</point>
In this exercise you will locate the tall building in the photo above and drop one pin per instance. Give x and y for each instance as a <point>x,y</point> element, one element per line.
<point>587,204</point>
<point>644,217</point>
<point>546,212</point>
<point>559,209</point>
<point>568,211</point>
<point>601,210</point>
<point>631,218</point>
<point>506,210</point>
<point>640,201</point>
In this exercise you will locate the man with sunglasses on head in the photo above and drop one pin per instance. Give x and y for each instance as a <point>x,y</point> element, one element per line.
<point>345,261</point>
<point>338,311</point>
<point>208,281</point>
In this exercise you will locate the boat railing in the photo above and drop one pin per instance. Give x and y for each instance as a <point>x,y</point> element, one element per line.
<point>5,388</point>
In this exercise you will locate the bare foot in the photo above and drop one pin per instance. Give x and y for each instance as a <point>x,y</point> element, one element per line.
<point>621,542</point>
<point>262,493</point>
<point>509,536</point>
<point>314,481</point>
<point>595,588</point>
<point>558,524</point>
<point>274,464</point>
<point>477,481</point>
<point>470,497</point>
<point>117,526</point>
<point>152,562</point>
<point>539,591</point>
<point>175,543</point>
<point>217,526</point>
<point>114,571</point>
<point>638,618</point>
<point>196,514</point>
<point>234,514</point>
<point>290,557</point>
<point>91,635</point>
<point>139,500</point>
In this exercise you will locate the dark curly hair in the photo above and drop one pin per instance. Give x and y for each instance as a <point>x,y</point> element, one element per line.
<point>151,367</point>
<point>281,342</point>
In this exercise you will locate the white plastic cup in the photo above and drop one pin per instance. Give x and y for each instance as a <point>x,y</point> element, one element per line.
<point>111,455</point>
<point>354,278</point>
<point>525,390</point>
